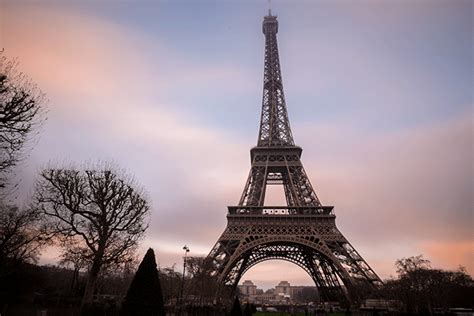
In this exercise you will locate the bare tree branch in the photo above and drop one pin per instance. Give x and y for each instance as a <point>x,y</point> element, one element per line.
<point>21,112</point>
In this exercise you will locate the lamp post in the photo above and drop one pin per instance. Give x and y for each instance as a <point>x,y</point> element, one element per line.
<point>186,250</point>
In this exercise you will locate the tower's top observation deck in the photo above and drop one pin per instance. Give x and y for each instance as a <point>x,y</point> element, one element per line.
<point>270,24</point>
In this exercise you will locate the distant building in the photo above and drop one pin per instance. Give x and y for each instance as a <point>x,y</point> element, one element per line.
<point>283,287</point>
<point>305,294</point>
<point>248,288</point>
<point>297,290</point>
<point>270,291</point>
<point>283,293</point>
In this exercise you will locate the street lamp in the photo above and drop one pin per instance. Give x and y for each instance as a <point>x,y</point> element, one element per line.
<point>186,250</point>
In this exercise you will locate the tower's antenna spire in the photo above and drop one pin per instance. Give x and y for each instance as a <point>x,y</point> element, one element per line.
<point>269,7</point>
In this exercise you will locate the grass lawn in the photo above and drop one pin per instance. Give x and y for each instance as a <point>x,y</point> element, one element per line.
<point>287,314</point>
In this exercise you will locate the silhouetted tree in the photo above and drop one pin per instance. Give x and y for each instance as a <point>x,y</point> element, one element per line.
<point>144,297</point>
<point>21,108</point>
<point>422,288</point>
<point>406,265</point>
<point>170,280</point>
<point>77,260</point>
<point>236,308</point>
<point>202,285</point>
<point>22,234</point>
<point>96,212</point>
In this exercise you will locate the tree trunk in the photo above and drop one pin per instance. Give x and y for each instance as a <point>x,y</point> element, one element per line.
<point>75,279</point>
<point>91,282</point>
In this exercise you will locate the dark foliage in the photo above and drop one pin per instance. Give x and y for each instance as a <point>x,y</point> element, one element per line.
<point>170,281</point>
<point>307,294</point>
<point>202,286</point>
<point>422,289</point>
<point>28,288</point>
<point>22,234</point>
<point>248,310</point>
<point>144,297</point>
<point>236,308</point>
<point>31,285</point>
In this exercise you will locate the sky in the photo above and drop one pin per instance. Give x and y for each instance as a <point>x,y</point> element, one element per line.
<point>379,95</point>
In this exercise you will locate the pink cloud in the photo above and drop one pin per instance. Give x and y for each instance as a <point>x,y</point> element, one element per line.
<point>450,255</point>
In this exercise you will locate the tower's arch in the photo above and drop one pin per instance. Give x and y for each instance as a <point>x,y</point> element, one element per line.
<point>328,275</point>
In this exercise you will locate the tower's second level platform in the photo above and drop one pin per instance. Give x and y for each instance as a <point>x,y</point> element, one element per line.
<point>281,211</point>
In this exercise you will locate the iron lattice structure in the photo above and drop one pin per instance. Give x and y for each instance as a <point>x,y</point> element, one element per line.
<point>304,231</point>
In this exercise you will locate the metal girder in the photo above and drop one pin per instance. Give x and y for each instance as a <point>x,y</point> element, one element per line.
<point>276,166</point>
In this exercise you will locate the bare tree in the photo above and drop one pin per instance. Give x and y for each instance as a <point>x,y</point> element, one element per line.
<point>77,259</point>
<point>203,286</point>
<point>115,279</point>
<point>22,235</point>
<point>423,289</point>
<point>20,113</point>
<point>170,282</point>
<point>96,213</point>
<point>406,265</point>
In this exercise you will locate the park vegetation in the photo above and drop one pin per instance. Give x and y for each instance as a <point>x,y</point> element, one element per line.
<point>424,290</point>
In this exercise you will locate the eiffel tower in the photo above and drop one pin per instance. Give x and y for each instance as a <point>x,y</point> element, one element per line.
<point>304,231</point>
